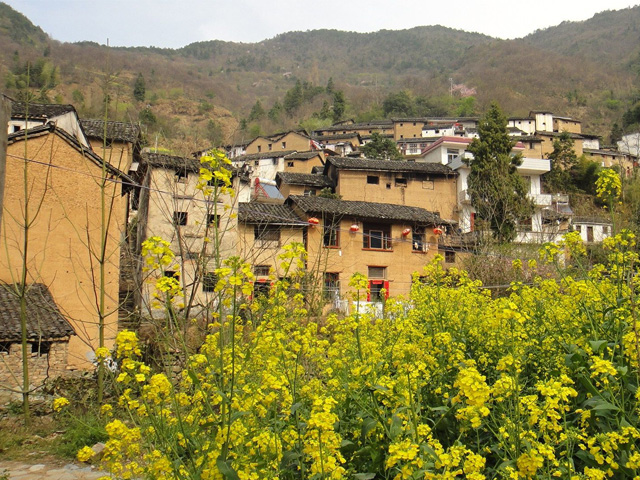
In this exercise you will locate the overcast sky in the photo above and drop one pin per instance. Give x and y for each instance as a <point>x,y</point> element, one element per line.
<point>176,23</point>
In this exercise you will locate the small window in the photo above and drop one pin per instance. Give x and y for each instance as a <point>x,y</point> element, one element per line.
<point>213,220</point>
<point>181,176</point>
<point>377,237</point>
<point>427,184</point>
<point>449,256</point>
<point>373,179</point>
<point>180,218</point>
<point>209,281</point>
<point>331,234</point>
<point>526,225</point>
<point>261,270</point>
<point>401,182</point>
<point>257,163</point>
<point>589,234</point>
<point>171,274</point>
<point>605,230</point>
<point>375,290</point>
<point>259,148</point>
<point>41,348</point>
<point>267,235</point>
<point>418,240</point>
<point>269,147</point>
<point>388,186</point>
<point>261,289</point>
<point>377,272</point>
<point>290,164</point>
<point>5,347</point>
<point>284,145</point>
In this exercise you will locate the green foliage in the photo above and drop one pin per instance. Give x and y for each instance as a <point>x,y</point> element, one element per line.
<point>616,134</point>
<point>631,116</point>
<point>32,81</point>
<point>257,112</point>
<point>497,192</point>
<point>330,86</point>
<point>78,97</point>
<point>139,88</point>
<point>381,148</point>
<point>147,117</point>
<point>466,107</point>
<point>399,104</point>
<point>563,159</point>
<point>339,105</point>
<point>83,428</point>
<point>275,113</point>
<point>584,175</point>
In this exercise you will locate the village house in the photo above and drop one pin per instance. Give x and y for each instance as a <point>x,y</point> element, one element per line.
<point>427,185</point>
<point>48,334</point>
<point>117,142</point>
<point>263,231</point>
<point>385,242</point>
<point>383,127</point>
<point>66,229</point>
<point>308,184</point>
<point>342,144</point>
<point>31,115</point>
<point>172,208</point>
<point>303,162</point>
<point>592,229</point>
<point>280,142</point>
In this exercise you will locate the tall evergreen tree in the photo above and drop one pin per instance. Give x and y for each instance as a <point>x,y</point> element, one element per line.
<point>498,193</point>
<point>563,160</point>
<point>139,88</point>
<point>381,148</point>
<point>339,105</point>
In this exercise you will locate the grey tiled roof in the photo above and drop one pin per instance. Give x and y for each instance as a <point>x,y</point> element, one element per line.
<point>310,179</point>
<point>303,155</point>
<point>161,160</point>
<point>255,212</point>
<point>39,110</point>
<point>44,320</point>
<point>125,132</point>
<point>258,156</point>
<point>390,165</point>
<point>337,136</point>
<point>378,211</point>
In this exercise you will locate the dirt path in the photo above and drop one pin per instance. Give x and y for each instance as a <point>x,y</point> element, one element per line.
<point>48,471</point>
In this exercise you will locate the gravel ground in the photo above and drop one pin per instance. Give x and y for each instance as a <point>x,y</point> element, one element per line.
<point>48,471</point>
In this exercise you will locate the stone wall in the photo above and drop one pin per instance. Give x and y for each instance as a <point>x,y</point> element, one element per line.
<point>42,367</point>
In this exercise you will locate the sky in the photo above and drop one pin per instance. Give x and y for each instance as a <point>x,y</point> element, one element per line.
<point>176,23</point>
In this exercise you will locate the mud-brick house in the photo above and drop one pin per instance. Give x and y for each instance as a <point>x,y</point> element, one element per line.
<point>280,142</point>
<point>383,241</point>
<point>290,183</point>
<point>383,127</point>
<point>263,230</point>
<point>48,334</point>
<point>430,186</point>
<point>303,162</point>
<point>117,142</point>
<point>200,229</point>
<point>66,230</point>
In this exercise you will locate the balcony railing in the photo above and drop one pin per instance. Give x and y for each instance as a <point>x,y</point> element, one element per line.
<point>541,199</point>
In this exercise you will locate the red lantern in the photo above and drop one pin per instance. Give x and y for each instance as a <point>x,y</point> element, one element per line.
<point>437,231</point>
<point>313,221</point>
<point>406,232</point>
<point>354,228</point>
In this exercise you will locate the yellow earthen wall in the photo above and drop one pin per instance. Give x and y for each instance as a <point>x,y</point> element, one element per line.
<point>63,236</point>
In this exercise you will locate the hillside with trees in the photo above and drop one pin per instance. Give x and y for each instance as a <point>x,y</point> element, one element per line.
<point>214,92</point>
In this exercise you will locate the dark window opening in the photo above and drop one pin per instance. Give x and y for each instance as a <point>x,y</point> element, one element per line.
<point>330,234</point>
<point>267,235</point>
<point>261,270</point>
<point>589,234</point>
<point>41,348</point>
<point>290,164</point>
<point>213,220</point>
<point>261,289</point>
<point>376,236</point>
<point>373,179</point>
<point>209,281</point>
<point>401,182</point>
<point>449,256</point>
<point>331,285</point>
<point>179,218</point>
<point>171,274</point>
<point>418,240</point>
<point>376,288</point>
<point>181,176</point>
<point>5,347</point>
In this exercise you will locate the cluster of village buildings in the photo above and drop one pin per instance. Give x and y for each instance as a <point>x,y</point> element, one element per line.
<point>82,195</point>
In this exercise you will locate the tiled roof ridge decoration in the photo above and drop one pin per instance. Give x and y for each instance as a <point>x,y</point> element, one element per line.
<point>44,319</point>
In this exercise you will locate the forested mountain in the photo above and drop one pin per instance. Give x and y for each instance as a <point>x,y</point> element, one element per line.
<point>224,91</point>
